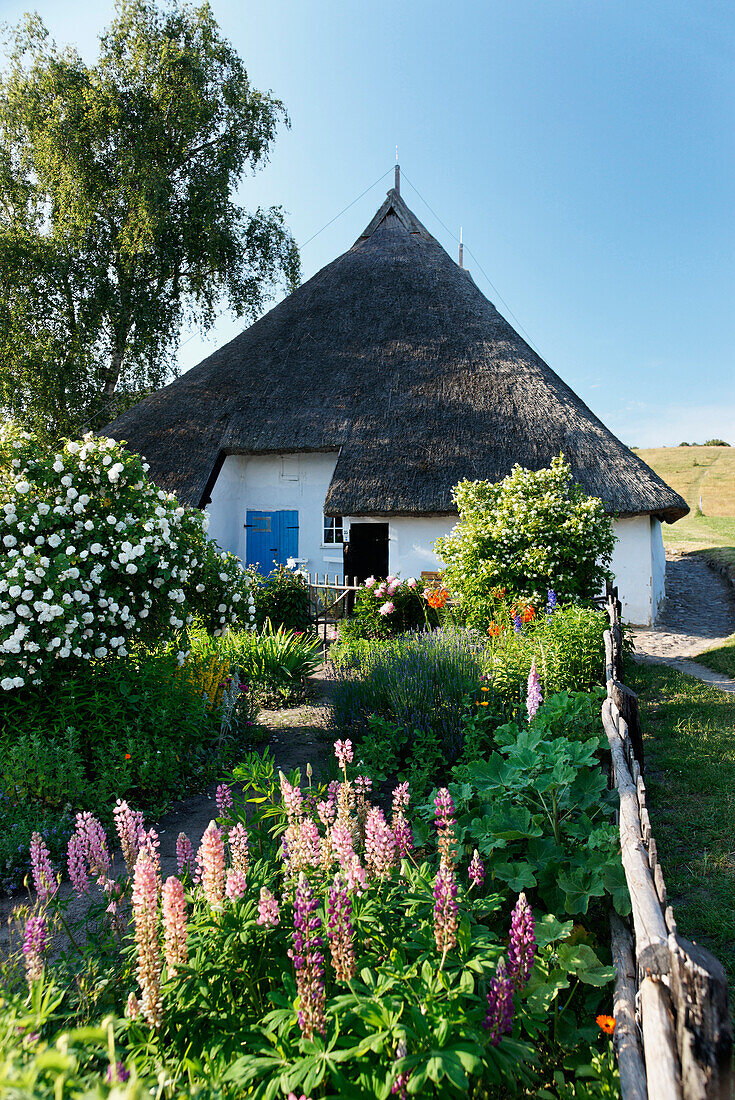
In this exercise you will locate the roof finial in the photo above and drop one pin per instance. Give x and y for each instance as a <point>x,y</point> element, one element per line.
<point>397,185</point>
<point>461,248</point>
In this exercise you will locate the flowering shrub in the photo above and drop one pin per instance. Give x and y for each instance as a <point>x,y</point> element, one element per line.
<point>310,954</point>
<point>281,598</point>
<point>386,608</point>
<point>94,556</point>
<point>533,531</point>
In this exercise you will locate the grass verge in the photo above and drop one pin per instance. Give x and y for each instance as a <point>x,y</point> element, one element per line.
<point>689,742</point>
<point>720,658</point>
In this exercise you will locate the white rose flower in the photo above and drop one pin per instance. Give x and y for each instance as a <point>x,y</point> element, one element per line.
<point>22,487</point>
<point>54,540</point>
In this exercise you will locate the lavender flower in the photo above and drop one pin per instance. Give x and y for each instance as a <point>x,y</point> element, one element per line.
<point>308,960</point>
<point>476,870</point>
<point>534,697</point>
<point>268,910</point>
<point>445,909</point>
<point>44,879</point>
<point>35,942</point>
<point>499,1016</point>
<point>340,932</point>
<point>224,800</point>
<point>522,948</point>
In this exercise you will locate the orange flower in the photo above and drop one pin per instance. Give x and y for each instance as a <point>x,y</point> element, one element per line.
<point>498,593</point>
<point>494,629</point>
<point>606,1024</point>
<point>438,598</point>
<point>528,614</point>
<point>127,755</point>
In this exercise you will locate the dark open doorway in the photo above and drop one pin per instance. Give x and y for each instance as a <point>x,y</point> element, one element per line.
<point>366,551</point>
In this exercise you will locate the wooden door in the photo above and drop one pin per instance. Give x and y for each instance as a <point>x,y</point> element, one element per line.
<point>366,551</point>
<point>272,538</point>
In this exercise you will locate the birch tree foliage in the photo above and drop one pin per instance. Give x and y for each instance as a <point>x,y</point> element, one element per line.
<point>119,218</point>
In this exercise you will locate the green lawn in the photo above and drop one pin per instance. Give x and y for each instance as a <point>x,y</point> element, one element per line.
<point>720,658</point>
<point>689,742</point>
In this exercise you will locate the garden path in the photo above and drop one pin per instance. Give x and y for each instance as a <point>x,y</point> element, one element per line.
<point>699,612</point>
<point>295,737</point>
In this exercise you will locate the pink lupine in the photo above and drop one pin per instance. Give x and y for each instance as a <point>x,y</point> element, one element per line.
<point>349,862</point>
<point>130,828</point>
<point>132,1007</point>
<point>292,797</point>
<point>237,841</point>
<point>522,948</point>
<point>268,910</point>
<point>211,866</point>
<point>476,870</point>
<point>333,791</point>
<point>327,812</point>
<point>35,942</point>
<point>445,825</point>
<point>236,885</point>
<point>94,844</point>
<point>77,864</point>
<point>402,831</point>
<point>173,909</point>
<point>308,960</point>
<point>309,844</point>
<point>363,785</point>
<point>343,752</point>
<point>534,698</point>
<point>340,931</point>
<point>499,1015</point>
<point>380,844</point>
<point>44,879</point>
<point>184,854</point>
<point>224,800</point>
<point>145,912</point>
<point>445,909</point>
<point>152,844</point>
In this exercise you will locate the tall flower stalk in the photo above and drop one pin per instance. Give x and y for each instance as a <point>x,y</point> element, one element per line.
<point>445,910</point>
<point>340,932</point>
<point>145,913</point>
<point>173,909</point>
<point>42,870</point>
<point>308,960</point>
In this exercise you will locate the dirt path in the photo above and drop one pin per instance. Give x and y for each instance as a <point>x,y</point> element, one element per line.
<point>699,612</point>
<point>295,736</point>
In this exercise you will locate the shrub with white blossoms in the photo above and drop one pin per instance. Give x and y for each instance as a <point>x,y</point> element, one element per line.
<point>93,555</point>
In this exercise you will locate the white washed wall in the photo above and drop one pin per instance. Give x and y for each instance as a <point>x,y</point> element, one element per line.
<point>410,541</point>
<point>632,565</point>
<point>658,560</point>
<point>264,481</point>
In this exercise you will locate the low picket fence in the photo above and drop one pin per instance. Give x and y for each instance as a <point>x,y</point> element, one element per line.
<point>673,1033</point>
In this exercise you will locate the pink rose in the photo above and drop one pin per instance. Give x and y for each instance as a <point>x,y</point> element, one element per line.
<point>411,582</point>
<point>387,608</point>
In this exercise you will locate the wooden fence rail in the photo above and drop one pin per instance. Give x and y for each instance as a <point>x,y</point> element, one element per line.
<point>673,1029</point>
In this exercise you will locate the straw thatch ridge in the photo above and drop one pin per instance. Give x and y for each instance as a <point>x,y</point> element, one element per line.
<point>393,357</point>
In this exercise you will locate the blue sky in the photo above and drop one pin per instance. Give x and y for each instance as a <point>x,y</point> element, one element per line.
<point>585,147</point>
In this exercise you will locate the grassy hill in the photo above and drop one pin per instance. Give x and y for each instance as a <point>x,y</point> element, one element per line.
<point>705,477</point>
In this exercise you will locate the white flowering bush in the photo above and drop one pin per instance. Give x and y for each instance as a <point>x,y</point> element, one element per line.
<point>94,555</point>
<point>533,532</point>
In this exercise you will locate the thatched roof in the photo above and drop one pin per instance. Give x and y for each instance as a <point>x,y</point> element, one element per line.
<point>391,356</point>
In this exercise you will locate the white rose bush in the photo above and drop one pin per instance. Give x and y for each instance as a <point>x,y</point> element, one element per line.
<point>95,556</point>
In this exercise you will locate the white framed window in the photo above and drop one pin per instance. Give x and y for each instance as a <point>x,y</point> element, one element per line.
<point>333,530</point>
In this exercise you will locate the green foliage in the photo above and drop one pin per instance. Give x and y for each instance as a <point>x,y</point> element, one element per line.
<point>567,646</point>
<point>409,610</point>
<point>95,556</point>
<point>273,663</point>
<point>715,443</point>
<point>117,184</point>
<point>531,532</point>
<point>281,598</point>
<point>536,810</point>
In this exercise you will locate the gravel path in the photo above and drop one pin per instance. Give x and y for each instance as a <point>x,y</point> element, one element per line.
<point>296,736</point>
<point>699,612</point>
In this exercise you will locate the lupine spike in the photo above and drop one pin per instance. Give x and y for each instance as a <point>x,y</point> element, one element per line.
<point>173,907</point>
<point>499,1016</point>
<point>42,869</point>
<point>184,854</point>
<point>522,948</point>
<point>340,931</point>
<point>308,960</point>
<point>35,942</point>
<point>211,866</point>
<point>145,912</point>
<point>268,909</point>
<point>130,828</point>
<point>445,909</point>
<point>534,698</point>
<point>476,870</point>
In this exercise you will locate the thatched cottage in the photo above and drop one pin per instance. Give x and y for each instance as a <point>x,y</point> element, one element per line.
<point>334,428</point>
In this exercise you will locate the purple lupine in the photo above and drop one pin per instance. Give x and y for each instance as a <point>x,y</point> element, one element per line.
<point>380,844</point>
<point>308,960</point>
<point>476,870</point>
<point>445,909</point>
<point>522,948</point>
<point>44,879</point>
<point>444,821</point>
<point>184,854</point>
<point>237,842</point>
<point>94,844</point>
<point>333,791</point>
<point>340,931</point>
<point>517,624</point>
<point>534,698</point>
<point>117,1074</point>
<point>77,864</point>
<point>130,827</point>
<point>35,942</point>
<point>224,800</point>
<point>551,603</point>
<point>499,1016</point>
<point>400,1085</point>
<point>268,909</point>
